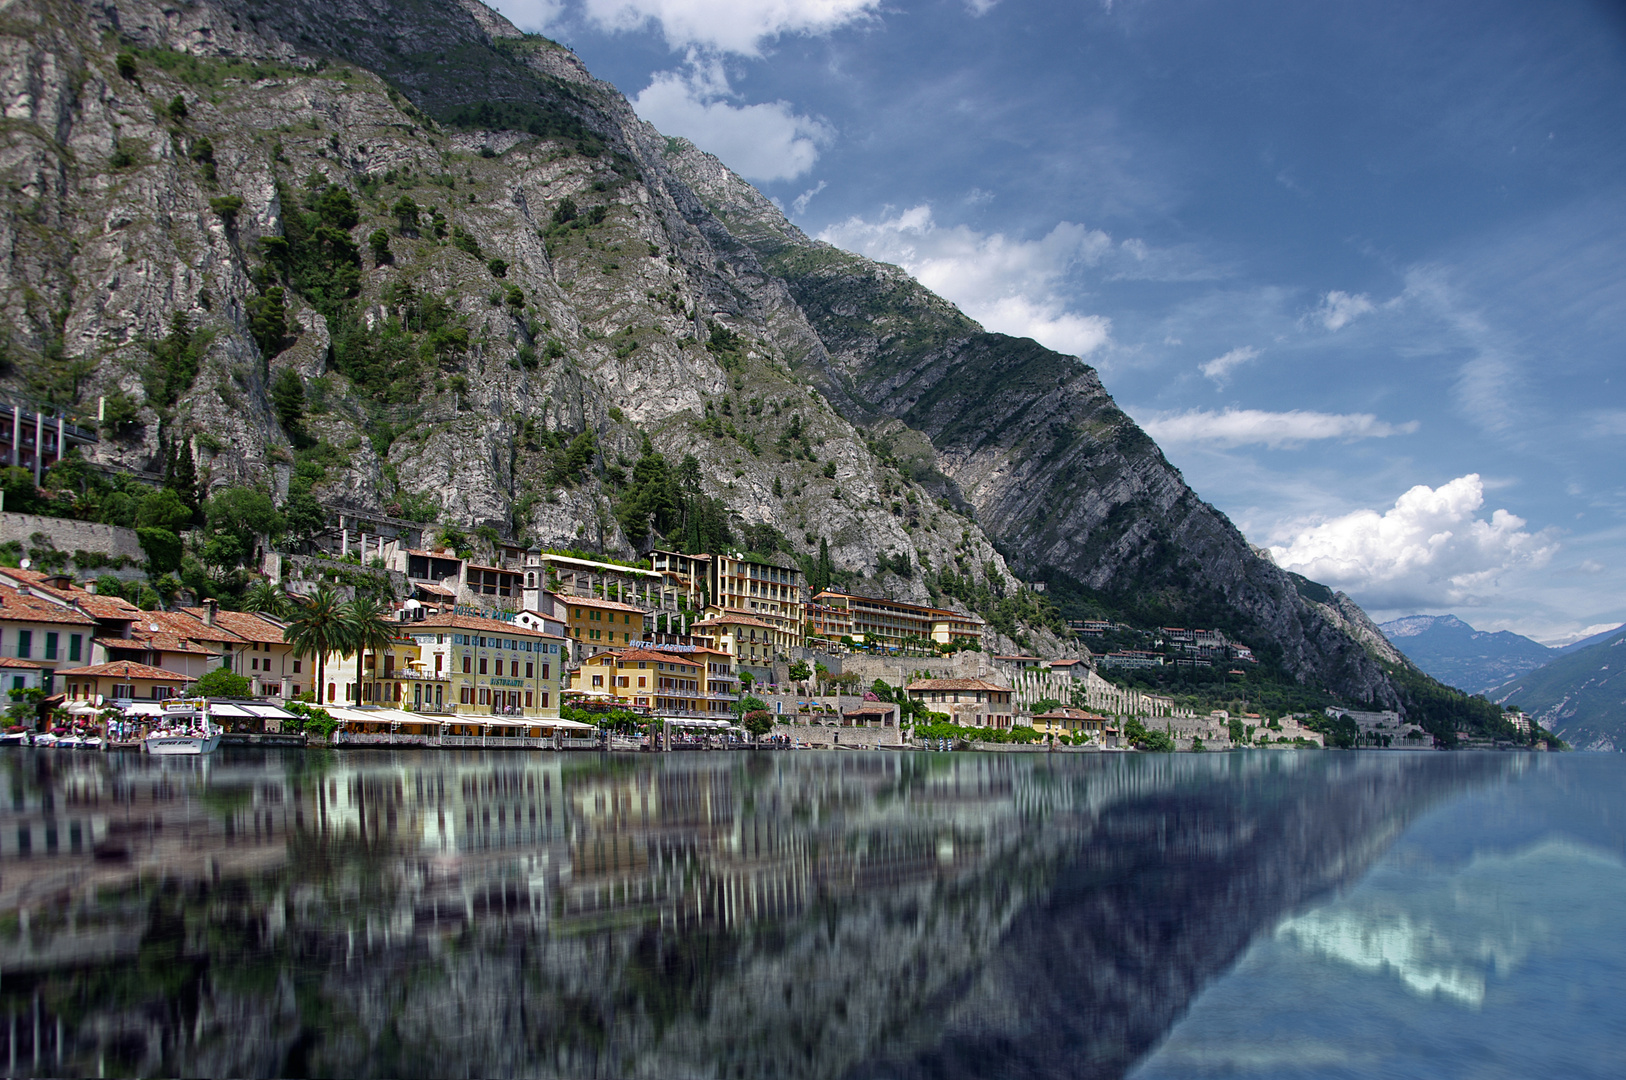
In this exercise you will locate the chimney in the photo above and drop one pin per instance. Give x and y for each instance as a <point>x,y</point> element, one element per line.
<point>211,608</point>
<point>90,586</point>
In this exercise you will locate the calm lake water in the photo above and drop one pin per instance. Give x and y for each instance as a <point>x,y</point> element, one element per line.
<point>854,915</point>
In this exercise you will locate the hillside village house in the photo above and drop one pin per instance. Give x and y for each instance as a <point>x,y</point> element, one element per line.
<point>750,642</point>
<point>260,652</point>
<point>595,625</point>
<point>39,629</point>
<point>872,620</point>
<point>774,595</point>
<point>968,702</point>
<point>18,674</point>
<point>123,680</point>
<point>691,683</point>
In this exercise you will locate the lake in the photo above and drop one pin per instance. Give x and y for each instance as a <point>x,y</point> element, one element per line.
<point>802,914</point>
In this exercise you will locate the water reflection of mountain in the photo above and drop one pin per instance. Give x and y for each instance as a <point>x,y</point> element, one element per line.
<point>695,915</point>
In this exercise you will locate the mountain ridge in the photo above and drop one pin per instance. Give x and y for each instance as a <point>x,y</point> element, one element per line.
<point>588,303</point>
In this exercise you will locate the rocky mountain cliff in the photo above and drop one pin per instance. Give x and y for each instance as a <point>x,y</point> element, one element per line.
<point>1458,655</point>
<point>400,257</point>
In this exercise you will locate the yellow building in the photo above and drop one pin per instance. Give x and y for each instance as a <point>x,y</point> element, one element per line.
<point>875,621</point>
<point>1072,722</point>
<point>469,664</point>
<point>689,683</point>
<point>773,595</point>
<point>748,641</point>
<point>596,625</point>
<point>372,678</point>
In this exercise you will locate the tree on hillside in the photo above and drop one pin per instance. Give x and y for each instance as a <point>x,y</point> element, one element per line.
<point>267,598</point>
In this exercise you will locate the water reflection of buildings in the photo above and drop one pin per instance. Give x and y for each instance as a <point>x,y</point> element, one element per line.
<point>480,882</point>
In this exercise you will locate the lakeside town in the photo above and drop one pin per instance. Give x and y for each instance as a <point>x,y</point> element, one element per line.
<point>453,643</point>
<point>544,649</point>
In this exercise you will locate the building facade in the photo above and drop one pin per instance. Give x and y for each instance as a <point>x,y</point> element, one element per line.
<point>468,664</point>
<point>968,702</point>
<point>872,620</point>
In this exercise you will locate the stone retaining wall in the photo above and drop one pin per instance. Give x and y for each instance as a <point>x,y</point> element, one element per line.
<point>68,535</point>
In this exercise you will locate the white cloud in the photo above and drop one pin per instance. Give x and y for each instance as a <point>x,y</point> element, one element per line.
<point>1431,547</point>
<point>1339,309</point>
<point>1219,369</point>
<point>762,142</point>
<point>1010,286</point>
<point>799,204</point>
<point>979,8</point>
<point>1238,427</point>
<point>728,26</point>
<point>534,15</point>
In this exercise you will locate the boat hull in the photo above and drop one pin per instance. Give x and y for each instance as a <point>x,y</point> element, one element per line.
<point>180,745</point>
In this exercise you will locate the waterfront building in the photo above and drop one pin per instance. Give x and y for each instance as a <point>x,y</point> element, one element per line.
<point>693,682</point>
<point>469,664</point>
<point>969,702</point>
<point>123,680</point>
<point>1072,722</point>
<point>37,628</point>
<point>596,625</point>
<point>741,585</point>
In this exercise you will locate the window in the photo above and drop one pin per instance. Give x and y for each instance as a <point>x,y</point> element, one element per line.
<point>332,691</point>
<point>527,699</point>
<point>641,682</point>
<point>598,681</point>
<point>482,665</point>
<point>76,647</point>
<point>296,667</point>
<point>50,644</point>
<point>485,697</point>
<point>544,697</point>
<point>623,681</point>
<point>438,659</point>
<point>513,669</point>
<point>467,697</point>
<point>25,644</point>
<point>544,671</point>
<point>530,671</point>
<point>467,665</point>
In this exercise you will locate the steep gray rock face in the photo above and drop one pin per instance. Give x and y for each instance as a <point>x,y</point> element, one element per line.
<point>608,331</point>
<point>1068,486</point>
<point>822,394</point>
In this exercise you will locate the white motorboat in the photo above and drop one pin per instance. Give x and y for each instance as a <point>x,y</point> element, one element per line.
<point>14,738</point>
<point>70,742</point>
<point>46,739</point>
<point>168,744</point>
<point>184,730</point>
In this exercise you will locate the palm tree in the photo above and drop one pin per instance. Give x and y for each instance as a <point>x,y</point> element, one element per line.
<point>320,624</point>
<point>369,628</point>
<point>266,597</point>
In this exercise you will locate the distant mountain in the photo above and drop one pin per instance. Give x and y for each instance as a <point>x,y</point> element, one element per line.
<point>1580,695</point>
<point>1577,646</point>
<point>1458,655</point>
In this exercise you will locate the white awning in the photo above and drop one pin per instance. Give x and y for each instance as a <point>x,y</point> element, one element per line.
<point>224,709</point>
<point>269,712</point>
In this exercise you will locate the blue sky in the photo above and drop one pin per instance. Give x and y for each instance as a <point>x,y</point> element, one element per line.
<point>1360,267</point>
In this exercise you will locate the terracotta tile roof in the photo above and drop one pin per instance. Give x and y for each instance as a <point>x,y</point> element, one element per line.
<point>1065,663</point>
<point>474,622</point>
<point>181,624</point>
<point>97,606</point>
<point>957,684</point>
<point>247,625</point>
<point>128,669</point>
<point>12,661</point>
<point>870,710</point>
<point>595,602</point>
<point>1069,714</point>
<point>16,607</point>
<point>147,641</point>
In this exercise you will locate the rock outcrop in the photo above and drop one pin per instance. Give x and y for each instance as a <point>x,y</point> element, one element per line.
<point>517,260</point>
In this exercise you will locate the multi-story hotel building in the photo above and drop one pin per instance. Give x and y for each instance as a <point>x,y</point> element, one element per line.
<point>872,620</point>
<point>692,682</point>
<point>467,664</point>
<point>772,594</point>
